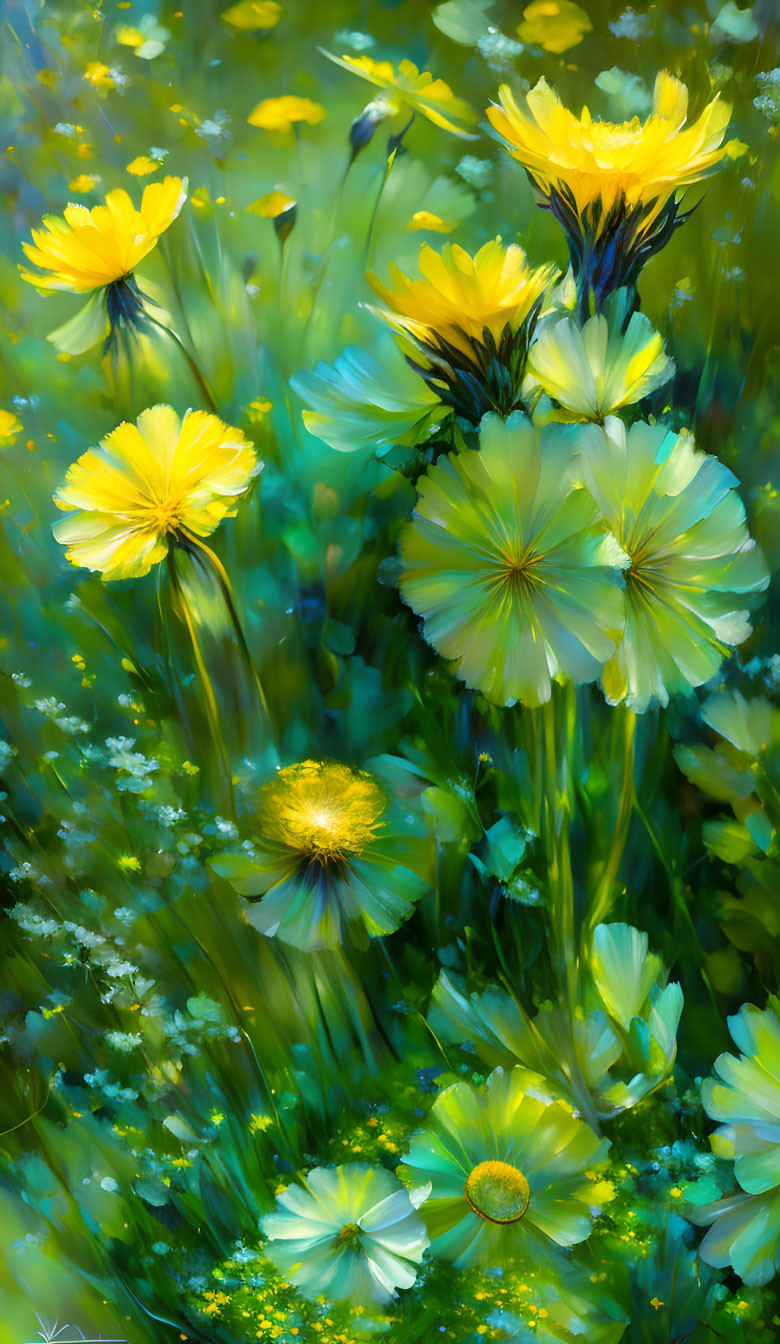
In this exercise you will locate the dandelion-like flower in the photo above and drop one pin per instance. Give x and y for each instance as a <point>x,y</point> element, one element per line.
<point>509,566</point>
<point>96,252</point>
<point>347,1232</point>
<point>147,487</point>
<point>676,515</point>
<point>504,1163</point>
<point>597,369</point>
<point>413,89</point>
<point>612,186</point>
<point>471,320</point>
<point>281,114</point>
<point>334,854</point>
<point>745,1098</point>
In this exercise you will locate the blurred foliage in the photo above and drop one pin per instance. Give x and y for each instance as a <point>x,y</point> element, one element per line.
<point>166,1068</point>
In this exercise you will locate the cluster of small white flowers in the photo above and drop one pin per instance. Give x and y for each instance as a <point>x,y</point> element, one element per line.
<point>634,26</point>
<point>499,51</point>
<point>7,753</point>
<point>85,937</point>
<point>124,1041</point>
<point>37,926</point>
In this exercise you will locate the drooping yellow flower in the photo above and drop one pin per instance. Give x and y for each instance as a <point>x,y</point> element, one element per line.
<point>281,114</point>
<point>150,486</point>
<point>472,319</point>
<point>459,295</point>
<point>414,89</point>
<point>603,163</point>
<point>89,249</point>
<point>10,426</point>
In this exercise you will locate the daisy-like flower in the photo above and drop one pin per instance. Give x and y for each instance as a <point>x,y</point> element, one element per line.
<point>347,1232</point>
<point>471,320</point>
<point>745,1098</point>
<point>415,90</point>
<point>509,565</point>
<point>501,1162</point>
<point>96,252</point>
<point>147,487</point>
<point>334,854</point>
<point>676,515</point>
<point>595,370</point>
<point>612,186</point>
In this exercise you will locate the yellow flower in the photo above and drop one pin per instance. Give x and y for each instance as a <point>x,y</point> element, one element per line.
<point>271,205</point>
<point>613,187</point>
<point>9,427</point>
<point>100,75</point>
<point>555,25</point>
<point>459,295</point>
<point>88,249</point>
<point>82,184</point>
<point>280,114</point>
<point>322,810</point>
<point>150,486</point>
<point>423,219</point>
<point>414,89</point>
<point>250,15</point>
<point>142,166</point>
<point>604,164</point>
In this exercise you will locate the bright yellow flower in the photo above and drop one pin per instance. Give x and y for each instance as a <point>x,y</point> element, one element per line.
<point>324,811</point>
<point>604,164</point>
<point>555,25</point>
<point>89,249</point>
<point>142,166</point>
<point>273,204</point>
<point>82,184</point>
<point>280,114</point>
<point>100,75</point>
<point>459,295</point>
<point>415,89</point>
<point>10,426</point>
<point>150,486</point>
<point>250,15</point>
<point>423,219</point>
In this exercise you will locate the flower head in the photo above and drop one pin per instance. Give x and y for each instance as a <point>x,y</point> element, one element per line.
<point>96,252</point>
<point>745,1099</point>
<point>509,567</point>
<point>281,114</point>
<point>612,186</point>
<point>347,1232</point>
<point>10,426</point>
<point>89,249</point>
<point>416,90</point>
<point>334,853</point>
<point>556,25</point>
<point>150,486</point>
<point>505,1163</point>
<point>471,318</point>
<point>595,370</point>
<point>676,515</point>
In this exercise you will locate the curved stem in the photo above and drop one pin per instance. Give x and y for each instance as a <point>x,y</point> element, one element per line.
<point>194,368</point>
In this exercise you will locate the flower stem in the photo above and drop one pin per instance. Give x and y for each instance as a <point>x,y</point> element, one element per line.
<point>604,894</point>
<point>555,833</point>
<point>212,712</point>
<point>203,386</point>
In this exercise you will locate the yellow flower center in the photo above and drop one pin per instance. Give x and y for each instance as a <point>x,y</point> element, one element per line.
<point>324,811</point>
<point>497,1191</point>
<point>349,1235</point>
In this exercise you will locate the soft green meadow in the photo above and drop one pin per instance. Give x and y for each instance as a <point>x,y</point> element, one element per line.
<point>391,787</point>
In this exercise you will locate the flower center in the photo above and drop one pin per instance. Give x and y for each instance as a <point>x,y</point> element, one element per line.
<point>326,812</point>
<point>349,1235</point>
<point>497,1191</point>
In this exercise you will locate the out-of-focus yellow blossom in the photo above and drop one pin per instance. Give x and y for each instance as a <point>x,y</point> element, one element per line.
<point>88,249</point>
<point>607,164</point>
<point>281,114</point>
<point>414,89</point>
<point>10,426</point>
<point>272,204</point>
<point>100,75</point>
<point>555,25</point>
<point>82,184</point>
<point>459,295</point>
<point>423,219</point>
<point>142,166</point>
<point>150,486</point>
<point>250,15</point>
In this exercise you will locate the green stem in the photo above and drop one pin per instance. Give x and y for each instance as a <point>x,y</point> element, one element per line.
<point>203,387</point>
<point>604,895</point>
<point>555,832</point>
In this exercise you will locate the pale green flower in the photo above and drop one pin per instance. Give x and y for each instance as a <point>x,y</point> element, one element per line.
<point>361,402</point>
<point>347,1232</point>
<point>505,1163</point>
<point>605,1061</point>
<point>594,371</point>
<point>509,566</point>
<point>675,513</point>
<point>745,1227</point>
